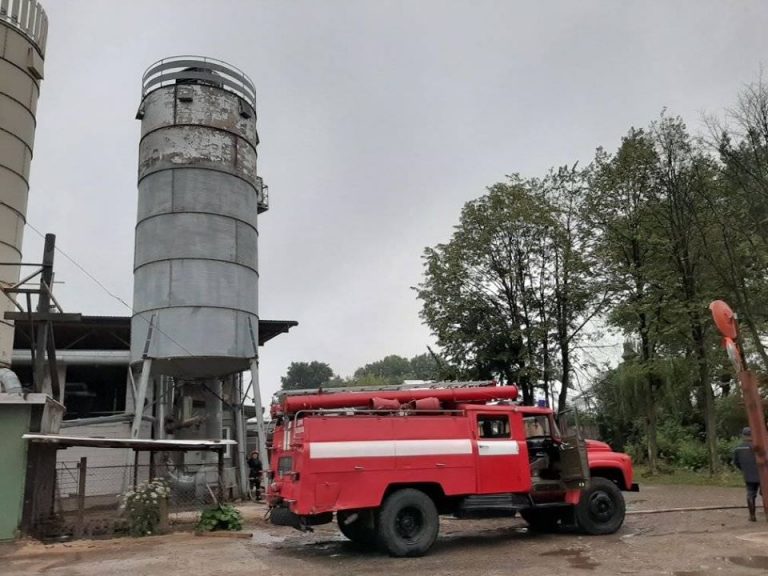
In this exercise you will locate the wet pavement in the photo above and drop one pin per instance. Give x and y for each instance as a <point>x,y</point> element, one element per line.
<point>676,544</point>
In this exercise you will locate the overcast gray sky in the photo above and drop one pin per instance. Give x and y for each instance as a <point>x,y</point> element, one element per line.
<point>378,121</point>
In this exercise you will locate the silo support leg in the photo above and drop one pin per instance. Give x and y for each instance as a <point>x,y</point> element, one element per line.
<point>263,456</point>
<point>141,395</point>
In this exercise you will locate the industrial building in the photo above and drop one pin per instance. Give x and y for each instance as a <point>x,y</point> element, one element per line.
<point>164,389</point>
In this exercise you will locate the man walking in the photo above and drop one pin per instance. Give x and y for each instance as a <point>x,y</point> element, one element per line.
<point>744,460</point>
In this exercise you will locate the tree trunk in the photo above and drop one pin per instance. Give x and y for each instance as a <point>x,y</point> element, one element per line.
<point>710,420</point>
<point>565,358</point>
<point>650,411</point>
<point>650,430</point>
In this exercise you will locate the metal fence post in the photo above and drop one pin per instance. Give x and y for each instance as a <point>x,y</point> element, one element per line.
<point>83,469</point>
<point>221,475</point>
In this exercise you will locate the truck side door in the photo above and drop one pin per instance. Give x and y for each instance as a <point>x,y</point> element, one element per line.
<point>502,462</point>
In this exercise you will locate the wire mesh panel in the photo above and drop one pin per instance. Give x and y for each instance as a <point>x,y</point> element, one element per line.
<point>89,504</point>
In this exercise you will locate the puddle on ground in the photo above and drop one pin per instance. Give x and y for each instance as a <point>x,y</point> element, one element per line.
<point>756,562</point>
<point>576,558</point>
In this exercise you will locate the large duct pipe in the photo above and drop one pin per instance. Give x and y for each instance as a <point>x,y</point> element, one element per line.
<point>9,382</point>
<point>23,33</point>
<point>292,404</point>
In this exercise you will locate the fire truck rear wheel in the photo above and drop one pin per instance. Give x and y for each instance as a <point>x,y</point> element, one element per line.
<point>408,523</point>
<point>601,508</point>
<point>361,530</point>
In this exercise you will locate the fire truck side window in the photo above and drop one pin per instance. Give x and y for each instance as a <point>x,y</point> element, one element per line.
<point>493,427</point>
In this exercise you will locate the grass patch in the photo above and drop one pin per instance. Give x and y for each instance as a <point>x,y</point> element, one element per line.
<point>691,477</point>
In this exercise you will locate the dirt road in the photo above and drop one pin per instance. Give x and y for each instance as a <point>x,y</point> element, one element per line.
<point>678,544</point>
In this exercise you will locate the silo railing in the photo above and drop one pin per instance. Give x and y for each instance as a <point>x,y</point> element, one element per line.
<point>199,68</point>
<point>29,18</point>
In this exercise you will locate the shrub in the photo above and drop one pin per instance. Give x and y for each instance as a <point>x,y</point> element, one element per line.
<point>223,517</point>
<point>142,506</point>
<point>691,454</point>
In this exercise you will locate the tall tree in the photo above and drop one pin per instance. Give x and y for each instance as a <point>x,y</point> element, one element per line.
<point>683,176</point>
<point>576,295</point>
<point>619,208</point>
<point>739,250</point>
<point>302,375</point>
<point>476,293</point>
<point>511,288</point>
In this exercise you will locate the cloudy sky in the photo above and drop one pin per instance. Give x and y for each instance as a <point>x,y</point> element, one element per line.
<point>378,121</point>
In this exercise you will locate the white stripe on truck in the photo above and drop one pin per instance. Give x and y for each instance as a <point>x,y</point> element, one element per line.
<point>380,448</point>
<point>497,447</point>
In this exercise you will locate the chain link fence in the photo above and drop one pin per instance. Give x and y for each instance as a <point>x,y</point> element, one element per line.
<point>87,499</point>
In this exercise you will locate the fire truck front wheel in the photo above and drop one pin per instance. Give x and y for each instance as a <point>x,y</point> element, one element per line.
<point>407,523</point>
<point>601,508</point>
<point>359,526</point>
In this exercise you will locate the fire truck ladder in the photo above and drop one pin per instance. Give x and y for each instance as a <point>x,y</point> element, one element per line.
<point>395,387</point>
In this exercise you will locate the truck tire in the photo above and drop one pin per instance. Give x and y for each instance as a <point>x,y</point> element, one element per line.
<point>361,530</point>
<point>601,508</point>
<point>407,523</point>
<point>541,520</point>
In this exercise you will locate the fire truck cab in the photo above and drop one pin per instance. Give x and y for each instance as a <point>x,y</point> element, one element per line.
<point>389,462</point>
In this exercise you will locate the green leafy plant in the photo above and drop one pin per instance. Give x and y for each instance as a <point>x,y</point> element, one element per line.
<point>223,517</point>
<point>142,506</point>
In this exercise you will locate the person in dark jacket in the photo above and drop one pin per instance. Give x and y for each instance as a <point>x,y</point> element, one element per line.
<point>254,464</point>
<point>744,460</point>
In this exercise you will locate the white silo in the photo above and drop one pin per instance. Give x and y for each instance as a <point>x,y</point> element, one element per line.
<point>23,34</point>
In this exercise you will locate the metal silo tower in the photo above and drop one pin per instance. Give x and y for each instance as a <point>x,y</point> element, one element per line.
<point>23,34</point>
<point>196,255</point>
<point>196,267</point>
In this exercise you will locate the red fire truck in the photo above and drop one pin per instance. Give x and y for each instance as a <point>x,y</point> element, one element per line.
<point>388,462</point>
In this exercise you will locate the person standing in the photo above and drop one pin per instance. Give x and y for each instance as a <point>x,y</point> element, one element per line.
<point>254,464</point>
<point>744,460</point>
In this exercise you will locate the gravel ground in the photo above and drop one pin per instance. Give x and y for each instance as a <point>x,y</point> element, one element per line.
<point>678,544</point>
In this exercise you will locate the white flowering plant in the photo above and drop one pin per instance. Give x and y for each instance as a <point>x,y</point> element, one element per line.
<point>142,506</point>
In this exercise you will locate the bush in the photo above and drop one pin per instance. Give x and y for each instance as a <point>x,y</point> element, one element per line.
<point>142,506</point>
<point>691,454</point>
<point>725,447</point>
<point>223,517</point>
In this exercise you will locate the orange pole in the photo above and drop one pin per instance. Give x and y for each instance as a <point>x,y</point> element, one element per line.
<point>754,405</point>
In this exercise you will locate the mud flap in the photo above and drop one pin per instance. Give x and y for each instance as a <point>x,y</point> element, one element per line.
<point>282,516</point>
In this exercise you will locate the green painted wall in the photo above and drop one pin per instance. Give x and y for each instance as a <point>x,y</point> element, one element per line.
<point>14,421</point>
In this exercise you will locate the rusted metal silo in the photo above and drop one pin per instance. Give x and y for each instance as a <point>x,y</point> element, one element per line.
<point>23,34</point>
<point>196,267</point>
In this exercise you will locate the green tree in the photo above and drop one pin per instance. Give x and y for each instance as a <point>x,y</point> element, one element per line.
<point>426,367</point>
<point>620,210</point>
<point>738,252</point>
<point>390,370</point>
<point>301,375</point>
<point>510,290</point>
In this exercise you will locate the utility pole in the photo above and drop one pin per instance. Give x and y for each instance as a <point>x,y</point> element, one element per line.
<point>44,307</point>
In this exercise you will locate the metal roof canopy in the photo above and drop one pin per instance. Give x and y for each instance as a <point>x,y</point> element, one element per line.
<point>114,333</point>
<point>135,444</point>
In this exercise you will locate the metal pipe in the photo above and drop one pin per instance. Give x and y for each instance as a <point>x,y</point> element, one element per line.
<point>127,417</point>
<point>293,404</point>
<point>79,357</point>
